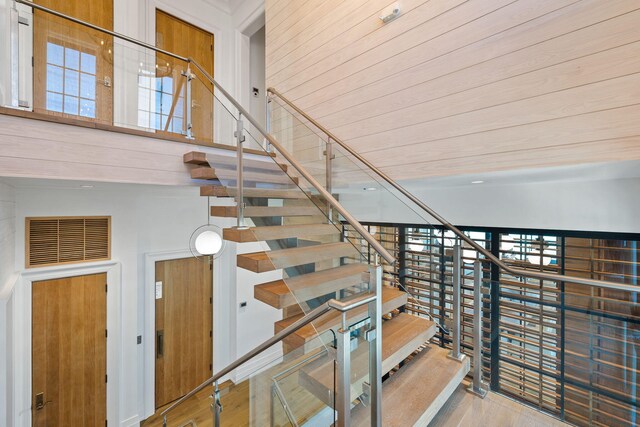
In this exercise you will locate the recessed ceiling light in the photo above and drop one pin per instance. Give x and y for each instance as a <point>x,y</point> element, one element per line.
<point>477,182</point>
<point>86,186</point>
<point>369,188</point>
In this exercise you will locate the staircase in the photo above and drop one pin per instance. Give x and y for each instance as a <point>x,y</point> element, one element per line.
<point>307,244</point>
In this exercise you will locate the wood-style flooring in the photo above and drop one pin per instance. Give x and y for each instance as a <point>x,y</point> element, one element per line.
<point>464,409</point>
<point>197,411</point>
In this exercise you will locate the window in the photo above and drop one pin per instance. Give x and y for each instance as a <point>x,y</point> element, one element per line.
<point>71,81</point>
<point>155,103</point>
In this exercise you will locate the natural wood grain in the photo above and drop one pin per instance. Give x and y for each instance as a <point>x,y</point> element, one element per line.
<point>401,336</point>
<point>265,193</point>
<point>184,315</point>
<point>287,292</point>
<point>464,409</point>
<point>51,29</point>
<point>185,39</point>
<point>200,158</point>
<point>260,262</point>
<point>449,77</point>
<point>392,298</point>
<point>69,350</point>
<point>206,172</point>
<point>257,234</point>
<point>407,402</point>
<point>265,211</point>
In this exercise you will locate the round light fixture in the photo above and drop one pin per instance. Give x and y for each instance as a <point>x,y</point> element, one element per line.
<point>206,241</point>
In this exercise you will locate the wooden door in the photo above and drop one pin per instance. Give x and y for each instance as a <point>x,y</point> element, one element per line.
<point>73,65</point>
<point>69,351</point>
<point>184,325</point>
<point>184,39</point>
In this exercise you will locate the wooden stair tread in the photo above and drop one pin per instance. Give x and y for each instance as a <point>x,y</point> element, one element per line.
<point>287,292</point>
<point>267,193</point>
<point>407,402</point>
<point>392,298</point>
<point>265,211</point>
<point>260,262</point>
<point>259,234</point>
<point>273,177</point>
<point>201,159</point>
<point>401,336</point>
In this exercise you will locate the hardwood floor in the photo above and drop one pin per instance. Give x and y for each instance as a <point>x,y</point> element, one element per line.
<point>197,411</point>
<point>463,409</point>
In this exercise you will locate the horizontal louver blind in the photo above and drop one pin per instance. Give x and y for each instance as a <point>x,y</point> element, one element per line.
<point>64,240</point>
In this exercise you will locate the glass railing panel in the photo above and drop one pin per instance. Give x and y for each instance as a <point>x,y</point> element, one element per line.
<point>364,193</point>
<point>86,76</point>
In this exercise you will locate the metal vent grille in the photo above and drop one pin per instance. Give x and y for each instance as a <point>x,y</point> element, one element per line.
<point>65,240</point>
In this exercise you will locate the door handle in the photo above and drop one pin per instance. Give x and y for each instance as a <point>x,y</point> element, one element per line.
<point>159,344</point>
<point>40,402</point>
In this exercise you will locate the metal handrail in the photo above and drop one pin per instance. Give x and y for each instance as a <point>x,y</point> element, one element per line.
<point>102,30</point>
<point>323,192</point>
<point>307,176</point>
<point>451,227</point>
<point>314,314</point>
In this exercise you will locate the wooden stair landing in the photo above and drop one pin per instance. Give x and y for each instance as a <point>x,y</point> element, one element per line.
<point>414,395</point>
<point>392,298</point>
<point>401,336</point>
<point>220,161</point>
<point>287,292</point>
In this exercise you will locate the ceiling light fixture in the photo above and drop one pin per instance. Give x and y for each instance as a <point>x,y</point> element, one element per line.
<point>86,186</point>
<point>369,188</point>
<point>206,241</point>
<point>477,182</point>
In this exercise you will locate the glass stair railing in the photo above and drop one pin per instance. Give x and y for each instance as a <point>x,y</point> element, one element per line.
<point>294,189</point>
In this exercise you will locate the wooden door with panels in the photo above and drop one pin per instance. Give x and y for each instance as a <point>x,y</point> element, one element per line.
<point>69,351</point>
<point>189,41</point>
<point>73,64</point>
<point>184,327</point>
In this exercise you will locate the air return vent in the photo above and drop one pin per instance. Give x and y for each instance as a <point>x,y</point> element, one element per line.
<point>65,240</point>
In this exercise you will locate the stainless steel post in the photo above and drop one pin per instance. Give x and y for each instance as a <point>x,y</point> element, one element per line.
<point>343,391</point>
<point>189,76</point>
<point>456,330</point>
<point>375,344</point>
<point>268,118</point>
<point>216,405</point>
<point>240,193</point>
<point>476,387</point>
<point>329,172</point>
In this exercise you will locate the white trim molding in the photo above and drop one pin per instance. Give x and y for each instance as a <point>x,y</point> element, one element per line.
<point>22,328</point>
<point>221,313</point>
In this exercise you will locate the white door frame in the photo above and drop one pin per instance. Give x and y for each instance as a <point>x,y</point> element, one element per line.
<point>219,314</point>
<point>22,330</point>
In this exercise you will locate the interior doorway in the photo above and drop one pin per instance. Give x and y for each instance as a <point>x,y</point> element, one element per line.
<point>184,327</point>
<point>184,39</point>
<point>69,351</point>
<point>73,64</point>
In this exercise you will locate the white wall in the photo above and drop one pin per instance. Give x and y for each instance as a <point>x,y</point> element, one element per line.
<point>257,64</point>
<point>589,205</point>
<point>149,219</point>
<point>7,277</point>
